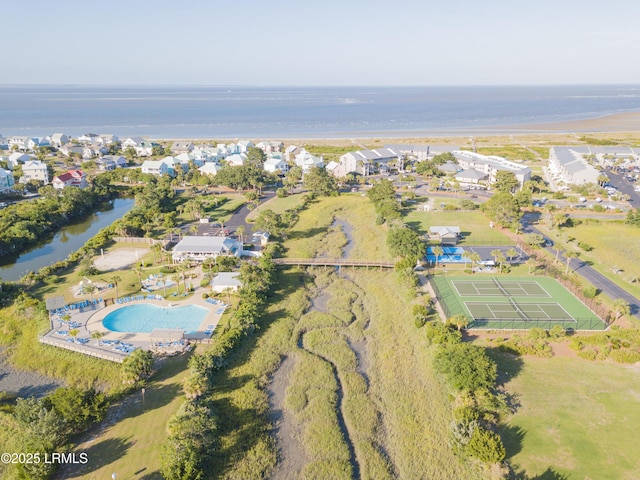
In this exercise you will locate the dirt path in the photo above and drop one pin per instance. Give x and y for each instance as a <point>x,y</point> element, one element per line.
<point>291,455</point>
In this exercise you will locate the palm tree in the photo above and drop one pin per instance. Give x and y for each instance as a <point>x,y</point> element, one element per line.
<point>74,333</point>
<point>437,251</point>
<point>193,229</point>
<point>459,320</point>
<point>195,385</point>
<point>620,308</point>
<point>569,254</point>
<point>475,258</point>
<point>241,231</point>
<point>114,279</point>
<point>512,253</point>
<point>97,335</point>
<point>155,248</point>
<point>138,272</point>
<point>495,254</point>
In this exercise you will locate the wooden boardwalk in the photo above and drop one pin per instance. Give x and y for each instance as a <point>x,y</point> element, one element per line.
<point>332,262</point>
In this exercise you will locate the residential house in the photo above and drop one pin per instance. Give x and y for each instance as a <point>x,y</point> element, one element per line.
<point>290,153</point>
<point>471,177</point>
<point>59,139</point>
<point>184,158</point>
<point>16,158</point>
<point>225,282</point>
<point>72,178</point>
<point>107,139</point>
<point>35,170</point>
<point>6,180</point>
<point>236,160</point>
<point>198,248</point>
<point>210,168</point>
<point>365,161</point>
<point>106,164</point>
<point>307,161</point>
<point>36,142</point>
<point>449,168</point>
<point>4,143</point>
<point>445,235</point>
<point>244,146</point>
<point>569,165</point>
<point>94,150</point>
<point>70,149</point>
<point>119,160</point>
<point>275,164</point>
<point>270,147</point>
<point>181,147</point>
<point>155,167</point>
<point>18,143</point>
<point>88,138</point>
<point>490,165</point>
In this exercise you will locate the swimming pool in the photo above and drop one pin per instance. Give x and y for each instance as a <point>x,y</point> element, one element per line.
<point>144,318</point>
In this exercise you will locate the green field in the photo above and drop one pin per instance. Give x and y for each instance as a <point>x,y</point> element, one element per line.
<point>577,419</point>
<point>278,205</point>
<point>527,302</point>
<point>473,224</point>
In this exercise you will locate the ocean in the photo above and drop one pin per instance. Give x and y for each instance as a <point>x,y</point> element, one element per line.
<point>180,112</point>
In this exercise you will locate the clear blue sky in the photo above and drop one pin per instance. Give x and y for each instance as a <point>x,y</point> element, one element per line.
<point>329,42</point>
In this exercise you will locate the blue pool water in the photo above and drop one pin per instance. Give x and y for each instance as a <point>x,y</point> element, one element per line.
<point>144,318</point>
<point>449,255</point>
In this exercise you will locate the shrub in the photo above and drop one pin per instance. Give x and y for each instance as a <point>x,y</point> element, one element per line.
<point>486,446</point>
<point>625,356</point>
<point>466,367</point>
<point>589,291</point>
<point>585,246</point>
<point>557,332</point>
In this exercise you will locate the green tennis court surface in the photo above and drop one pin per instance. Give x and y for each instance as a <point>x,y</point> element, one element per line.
<point>513,303</point>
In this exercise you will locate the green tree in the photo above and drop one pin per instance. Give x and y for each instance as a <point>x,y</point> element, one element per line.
<point>503,209</point>
<point>621,307</point>
<point>405,243</point>
<point>474,257</point>
<point>486,446</point>
<point>569,254</point>
<point>437,251</point>
<point>382,190</point>
<point>460,321</point>
<point>79,408</point>
<point>320,182</point>
<point>506,181</point>
<point>256,156</point>
<point>137,366</point>
<point>466,367</point>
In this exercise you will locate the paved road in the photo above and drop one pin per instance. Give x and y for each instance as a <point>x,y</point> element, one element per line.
<point>594,277</point>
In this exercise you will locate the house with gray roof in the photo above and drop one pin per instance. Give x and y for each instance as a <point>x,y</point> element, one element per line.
<point>198,248</point>
<point>570,166</point>
<point>225,281</point>
<point>365,162</point>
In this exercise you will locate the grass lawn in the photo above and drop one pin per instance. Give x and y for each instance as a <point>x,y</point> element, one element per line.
<point>278,205</point>
<point>615,244</point>
<point>473,224</point>
<point>577,418</point>
<point>130,440</point>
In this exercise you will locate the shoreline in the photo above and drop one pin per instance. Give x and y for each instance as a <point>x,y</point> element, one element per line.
<point>625,126</point>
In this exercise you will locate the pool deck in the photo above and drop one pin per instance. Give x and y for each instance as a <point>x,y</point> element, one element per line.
<point>91,321</point>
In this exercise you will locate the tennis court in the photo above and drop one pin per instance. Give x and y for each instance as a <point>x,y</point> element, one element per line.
<point>513,303</point>
<point>495,288</point>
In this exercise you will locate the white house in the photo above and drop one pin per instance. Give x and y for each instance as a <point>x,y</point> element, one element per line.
<point>59,139</point>
<point>88,138</point>
<point>34,170</point>
<point>210,168</point>
<point>19,142</point>
<point>154,167</point>
<point>275,165</point>
<point>236,160</point>
<point>16,158</point>
<point>6,180</point>
<point>307,161</point>
<point>73,178</point>
<point>569,165</point>
<point>118,160</point>
<point>226,281</point>
<point>198,248</point>
<point>365,161</point>
<point>490,165</point>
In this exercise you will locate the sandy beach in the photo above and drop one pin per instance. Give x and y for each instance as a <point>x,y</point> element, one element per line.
<point>622,127</point>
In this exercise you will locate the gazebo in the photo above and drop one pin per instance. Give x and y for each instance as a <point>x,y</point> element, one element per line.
<point>167,340</point>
